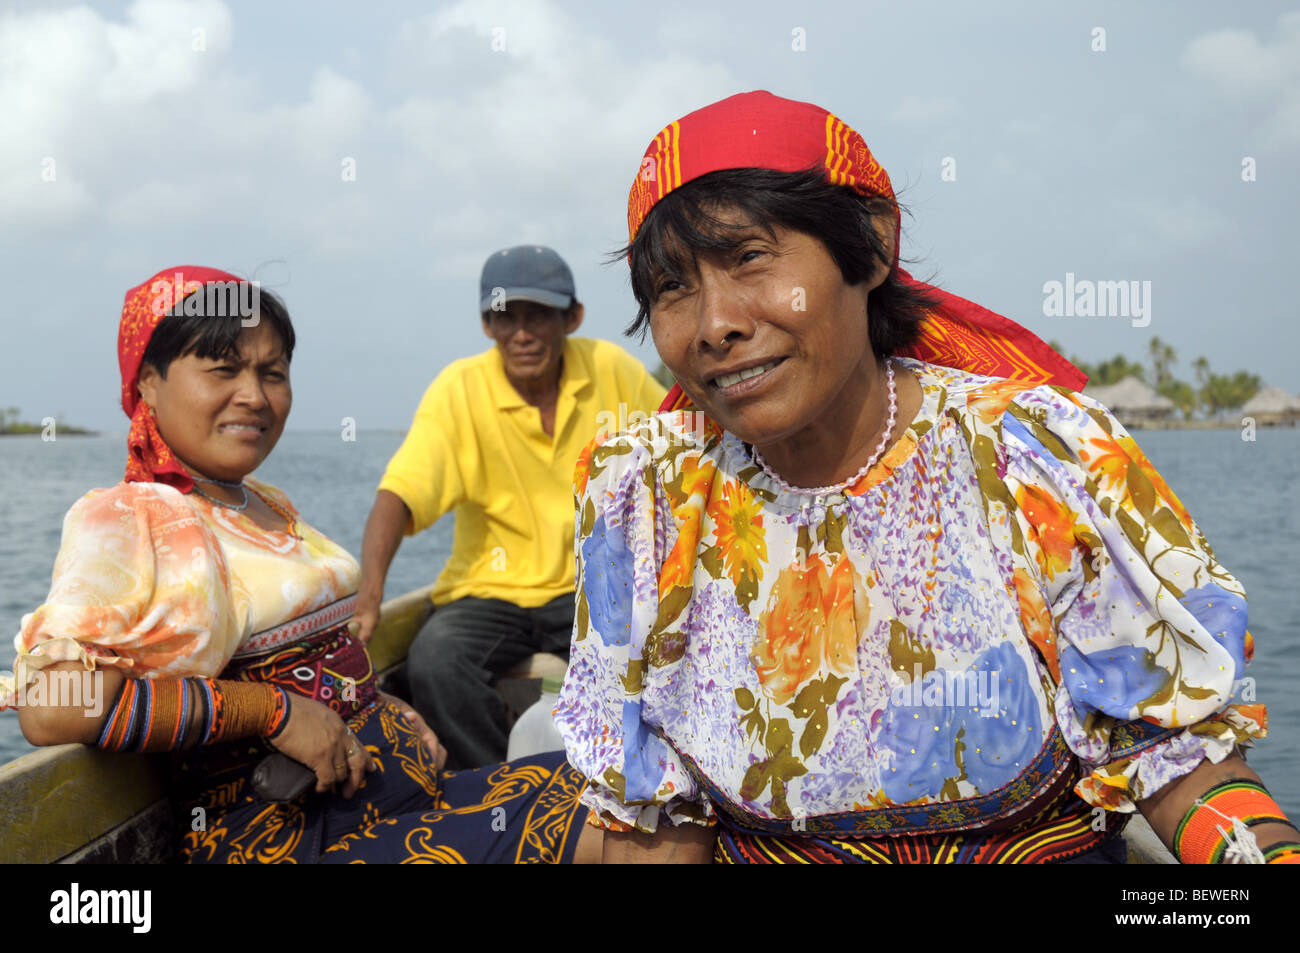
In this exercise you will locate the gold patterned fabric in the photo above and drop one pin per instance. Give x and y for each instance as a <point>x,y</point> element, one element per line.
<point>407,812</point>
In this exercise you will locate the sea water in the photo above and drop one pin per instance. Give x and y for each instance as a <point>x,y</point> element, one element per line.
<point>1242,493</point>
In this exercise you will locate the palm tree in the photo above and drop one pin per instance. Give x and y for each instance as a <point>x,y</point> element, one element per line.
<point>1163,357</point>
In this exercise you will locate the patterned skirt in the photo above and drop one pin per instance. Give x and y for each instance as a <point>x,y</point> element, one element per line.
<point>1064,829</point>
<point>406,811</point>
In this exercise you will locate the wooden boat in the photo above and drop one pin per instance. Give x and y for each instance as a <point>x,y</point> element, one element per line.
<point>76,804</point>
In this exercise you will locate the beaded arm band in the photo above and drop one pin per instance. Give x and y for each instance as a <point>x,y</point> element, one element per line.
<point>157,714</point>
<point>1283,852</point>
<point>1216,828</point>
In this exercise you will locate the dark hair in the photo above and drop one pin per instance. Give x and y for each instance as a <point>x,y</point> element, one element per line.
<point>208,322</point>
<point>841,219</point>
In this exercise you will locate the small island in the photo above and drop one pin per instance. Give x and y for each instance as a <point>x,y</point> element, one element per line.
<point>12,426</point>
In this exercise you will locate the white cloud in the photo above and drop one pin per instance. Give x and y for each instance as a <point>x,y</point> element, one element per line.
<point>557,107</point>
<point>532,136</point>
<point>73,85</point>
<point>330,123</point>
<point>1245,70</point>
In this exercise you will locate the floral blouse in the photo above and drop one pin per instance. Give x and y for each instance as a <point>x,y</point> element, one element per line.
<point>151,580</point>
<point>1012,592</point>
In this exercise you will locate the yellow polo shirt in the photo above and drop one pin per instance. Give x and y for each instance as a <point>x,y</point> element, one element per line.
<point>478,448</point>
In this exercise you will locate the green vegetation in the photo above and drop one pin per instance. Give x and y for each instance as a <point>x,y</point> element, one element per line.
<point>1214,394</point>
<point>10,425</point>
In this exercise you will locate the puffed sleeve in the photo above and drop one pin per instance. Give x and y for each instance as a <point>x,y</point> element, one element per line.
<point>635,778</point>
<point>140,584</point>
<point>1150,643</point>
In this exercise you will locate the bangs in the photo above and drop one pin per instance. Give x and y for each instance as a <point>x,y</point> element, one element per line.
<point>669,244</point>
<point>686,223</point>
<point>208,322</point>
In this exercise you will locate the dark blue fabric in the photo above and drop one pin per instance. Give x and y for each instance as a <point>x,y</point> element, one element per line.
<point>524,811</point>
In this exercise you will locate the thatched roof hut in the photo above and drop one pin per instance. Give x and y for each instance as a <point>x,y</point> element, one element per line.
<point>1132,401</point>
<point>1272,405</point>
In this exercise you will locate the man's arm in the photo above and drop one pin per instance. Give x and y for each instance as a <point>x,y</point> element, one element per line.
<point>385,527</point>
<point>683,844</point>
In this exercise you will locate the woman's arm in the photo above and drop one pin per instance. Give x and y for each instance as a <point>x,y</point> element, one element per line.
<point>1166,808</point>
<point>50,723</point>
<point>312,734</point>
<point>682,844</point>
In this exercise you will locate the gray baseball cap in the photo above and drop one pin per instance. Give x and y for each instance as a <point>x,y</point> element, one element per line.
<point>525,273</point>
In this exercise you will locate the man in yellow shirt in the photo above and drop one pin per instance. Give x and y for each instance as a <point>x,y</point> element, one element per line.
<point>495,439</point>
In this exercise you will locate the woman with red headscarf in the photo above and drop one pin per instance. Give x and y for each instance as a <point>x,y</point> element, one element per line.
<point>215,622</point>
<point>880,586</point>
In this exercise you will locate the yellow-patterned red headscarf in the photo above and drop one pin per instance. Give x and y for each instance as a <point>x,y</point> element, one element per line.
<point>760,131</point>
<point>149,459</point>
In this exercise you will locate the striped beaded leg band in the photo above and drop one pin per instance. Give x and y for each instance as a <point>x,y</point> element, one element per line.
<point>1200,837</point>
<point>156,714</point>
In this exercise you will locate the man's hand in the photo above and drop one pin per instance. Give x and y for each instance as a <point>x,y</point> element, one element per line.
<point>418,724</point>
<point>365,617</point>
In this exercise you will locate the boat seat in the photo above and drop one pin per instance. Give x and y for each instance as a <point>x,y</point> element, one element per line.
<point>522,685</point>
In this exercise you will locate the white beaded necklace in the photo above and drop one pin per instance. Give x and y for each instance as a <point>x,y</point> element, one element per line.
<point>821,491</point>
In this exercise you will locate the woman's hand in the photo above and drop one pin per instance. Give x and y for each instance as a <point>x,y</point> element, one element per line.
<point>423,730</point>
<point>317,737</point>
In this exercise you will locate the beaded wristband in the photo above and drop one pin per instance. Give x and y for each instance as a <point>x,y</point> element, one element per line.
<point>1200,837</point>
<point>240,709</point>
<point>149,715</point>
<point>1286,852</point>
<point>280,717</point>
<point>155,714</point>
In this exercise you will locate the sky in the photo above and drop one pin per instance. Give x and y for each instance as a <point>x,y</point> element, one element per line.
<point>1153,143</point>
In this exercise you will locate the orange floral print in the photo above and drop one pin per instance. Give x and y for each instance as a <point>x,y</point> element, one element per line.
<point>1108,462</point>
<point>582,469</point>
<point>1051,525</point>
<point>680,564</point>
<point>1157,481</point>
<point>737,515</point>
<point>687,495</point>
<point>692,486</point>
<point>808,624</point>
<point>894,458</point>
<point>989,403</point>
<point>1037,620</point>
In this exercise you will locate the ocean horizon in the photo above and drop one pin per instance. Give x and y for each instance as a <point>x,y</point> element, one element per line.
<point>1240,493</point>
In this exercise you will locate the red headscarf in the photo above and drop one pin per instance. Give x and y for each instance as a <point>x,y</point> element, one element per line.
<point>149,459</point>
<point>762,131</point>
